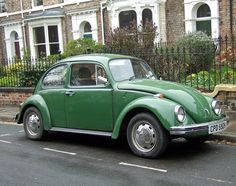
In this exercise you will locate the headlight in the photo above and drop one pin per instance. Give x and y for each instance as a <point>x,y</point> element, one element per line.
<point>216,107</point>
<point>180,113</point>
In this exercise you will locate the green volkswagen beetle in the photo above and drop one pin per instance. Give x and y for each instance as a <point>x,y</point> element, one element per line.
<point>115,95</point>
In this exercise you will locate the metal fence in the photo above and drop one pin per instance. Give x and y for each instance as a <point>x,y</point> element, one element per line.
<point>23,73</point>
<point>202,67</point>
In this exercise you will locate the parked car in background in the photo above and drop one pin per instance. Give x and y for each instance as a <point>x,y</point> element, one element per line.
<point>116,95</point>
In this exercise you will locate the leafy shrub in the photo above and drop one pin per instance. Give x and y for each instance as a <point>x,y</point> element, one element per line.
<point>205,79</point>
<point>200,50</point>
<point>31,74</point>
<point>82,46</point>
<point>132,39</point>
<point>7,81</point>
<point>25,73</point>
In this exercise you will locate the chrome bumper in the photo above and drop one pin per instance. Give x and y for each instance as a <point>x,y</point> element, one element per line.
<point>196,129</point>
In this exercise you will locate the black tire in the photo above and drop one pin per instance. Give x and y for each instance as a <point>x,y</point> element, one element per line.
<point>146,136</point>
<point>32,122</point>
<point>198,140</point>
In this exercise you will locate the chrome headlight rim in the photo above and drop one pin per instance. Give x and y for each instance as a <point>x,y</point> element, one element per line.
<point>216,107</point>
<point>180,113</point>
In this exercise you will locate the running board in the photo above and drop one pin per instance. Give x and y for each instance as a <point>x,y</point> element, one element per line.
<point>79,131</point>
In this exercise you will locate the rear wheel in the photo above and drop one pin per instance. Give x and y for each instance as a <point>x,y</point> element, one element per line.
<point>33,125</point>
<point>146,136</point>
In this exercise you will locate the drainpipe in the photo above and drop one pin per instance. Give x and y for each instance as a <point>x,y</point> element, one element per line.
<point>23,24</point>
<point>102,21</point>
<point>231,16</point>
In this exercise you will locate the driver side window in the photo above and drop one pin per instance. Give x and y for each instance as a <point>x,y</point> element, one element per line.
<point>87,74</point>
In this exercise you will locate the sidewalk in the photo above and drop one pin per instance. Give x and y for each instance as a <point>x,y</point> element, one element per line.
<point>8,113</point>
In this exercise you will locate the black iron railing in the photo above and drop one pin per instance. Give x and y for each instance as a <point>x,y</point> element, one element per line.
<point>201,68</point>
<point>23,73</point>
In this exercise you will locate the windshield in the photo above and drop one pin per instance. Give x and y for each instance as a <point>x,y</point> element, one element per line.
<point>129,69</point>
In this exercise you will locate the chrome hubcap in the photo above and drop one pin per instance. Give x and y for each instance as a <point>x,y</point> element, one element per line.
<point>33,124</point>
<point>144,136</point>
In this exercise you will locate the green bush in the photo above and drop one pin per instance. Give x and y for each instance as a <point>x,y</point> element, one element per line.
<point>31,74</point>
<point>7,81</point>
<point>199,50</point>
<point>132,40</point>
<point>205,79</point>
<point>82,46</point>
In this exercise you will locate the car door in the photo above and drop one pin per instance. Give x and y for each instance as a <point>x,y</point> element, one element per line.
<point>89,98</point>
<point>53,93</point>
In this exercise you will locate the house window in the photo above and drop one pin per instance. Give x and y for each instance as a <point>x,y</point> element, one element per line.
<point>37,2</point>
<point>87,31</point>
<point>2,6</point>
<point>39,41</point>
<point>126,18</point>
<point>46,40</point>
<point>203,22</point>
<point>15,44</point>
<point>53,39</point>
<point>204,11</point>
<point>146,16</point>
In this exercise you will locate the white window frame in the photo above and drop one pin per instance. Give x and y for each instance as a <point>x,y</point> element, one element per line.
<point>82,29</point>
<point>119,6</point>
<point>191,7</point>
<point>45,23</point>
<point>8,29</point>
<point>78,20</point>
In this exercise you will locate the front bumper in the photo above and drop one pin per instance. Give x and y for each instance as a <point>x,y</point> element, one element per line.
<point>198,129</point>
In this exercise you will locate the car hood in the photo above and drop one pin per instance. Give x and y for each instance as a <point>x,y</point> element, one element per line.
<point>193,101</point>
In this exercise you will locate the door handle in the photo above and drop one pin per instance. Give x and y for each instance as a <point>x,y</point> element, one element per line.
<point>70,93</point>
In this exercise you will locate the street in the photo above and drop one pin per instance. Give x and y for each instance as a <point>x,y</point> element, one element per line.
<point>72,159</point>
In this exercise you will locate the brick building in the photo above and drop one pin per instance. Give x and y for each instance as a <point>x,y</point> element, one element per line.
<point>44,27</point>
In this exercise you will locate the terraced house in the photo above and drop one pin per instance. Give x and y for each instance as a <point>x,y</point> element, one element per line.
<point>44,27</point>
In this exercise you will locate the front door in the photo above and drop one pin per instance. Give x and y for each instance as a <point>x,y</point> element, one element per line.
<point>89,100</point>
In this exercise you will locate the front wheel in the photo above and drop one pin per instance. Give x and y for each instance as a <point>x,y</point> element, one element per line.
<point>146,136</point>
<point>33,125</point>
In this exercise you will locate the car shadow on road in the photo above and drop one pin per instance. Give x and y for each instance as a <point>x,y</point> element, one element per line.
<point>177,149</point>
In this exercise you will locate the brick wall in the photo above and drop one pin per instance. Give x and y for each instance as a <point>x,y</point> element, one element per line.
<point>2,44</point>
<point>14,96</point>
<point>228,100</point>
<point>224,8</point>
<point>174,19</point>
<point>13,6</point>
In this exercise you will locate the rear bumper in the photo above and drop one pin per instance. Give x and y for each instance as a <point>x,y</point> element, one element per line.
<point>199,129</point>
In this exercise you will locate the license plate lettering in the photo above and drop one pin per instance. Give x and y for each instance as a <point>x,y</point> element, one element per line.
<point>213,128</point>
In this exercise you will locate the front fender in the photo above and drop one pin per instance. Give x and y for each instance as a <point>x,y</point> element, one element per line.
<point>163,109</point>
<point>38,102</point>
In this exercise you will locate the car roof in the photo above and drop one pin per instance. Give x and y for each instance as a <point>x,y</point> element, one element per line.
<point>103,58</point>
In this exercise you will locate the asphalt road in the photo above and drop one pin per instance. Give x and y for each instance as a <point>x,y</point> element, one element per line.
<point>66,159</point>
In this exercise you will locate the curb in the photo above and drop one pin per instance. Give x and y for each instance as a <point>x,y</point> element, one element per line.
<point>7,119</point>
<point>224,136</point>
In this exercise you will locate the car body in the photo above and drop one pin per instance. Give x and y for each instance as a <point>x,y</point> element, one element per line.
<point>116,95</point>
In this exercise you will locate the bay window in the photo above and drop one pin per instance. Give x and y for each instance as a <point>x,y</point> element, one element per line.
<point>46,40</point>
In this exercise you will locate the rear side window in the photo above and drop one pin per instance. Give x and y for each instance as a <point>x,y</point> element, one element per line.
<point>55,78</point>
